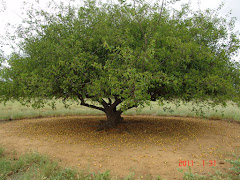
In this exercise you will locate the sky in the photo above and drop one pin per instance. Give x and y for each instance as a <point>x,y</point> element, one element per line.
<point>10,11</point>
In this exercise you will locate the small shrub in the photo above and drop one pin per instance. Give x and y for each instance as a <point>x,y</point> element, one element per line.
<point>102,176</point>
<point>190,176</point>
<point>236,168</point>
<point>130,176</point>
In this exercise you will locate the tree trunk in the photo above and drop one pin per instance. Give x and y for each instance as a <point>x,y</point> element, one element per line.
<point>113,118</point>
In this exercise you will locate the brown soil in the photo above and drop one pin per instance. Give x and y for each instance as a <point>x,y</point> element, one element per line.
<point>147,146</point>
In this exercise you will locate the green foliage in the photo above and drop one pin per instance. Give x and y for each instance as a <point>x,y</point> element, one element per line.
<point>129,53</point>
<point>130,177</point>
<point>190,176</point>
<point>102,176</point>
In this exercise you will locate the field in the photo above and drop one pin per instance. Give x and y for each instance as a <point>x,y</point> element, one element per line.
<point>15,110</point>
<point>145,147</point>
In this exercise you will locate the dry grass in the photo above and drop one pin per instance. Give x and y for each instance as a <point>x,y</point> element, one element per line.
<point>14,110</point>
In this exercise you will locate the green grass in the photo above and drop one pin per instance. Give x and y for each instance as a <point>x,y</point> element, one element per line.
<point>14,110</point>
<point>32,166</point>
<point>35,166</point>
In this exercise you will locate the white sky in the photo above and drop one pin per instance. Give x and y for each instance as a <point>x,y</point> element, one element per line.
<point>13,11</point>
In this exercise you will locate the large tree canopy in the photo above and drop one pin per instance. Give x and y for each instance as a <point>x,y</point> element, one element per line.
<point>123,55</point>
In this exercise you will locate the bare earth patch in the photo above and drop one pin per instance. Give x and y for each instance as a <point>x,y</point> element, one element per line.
<point>147,146</point>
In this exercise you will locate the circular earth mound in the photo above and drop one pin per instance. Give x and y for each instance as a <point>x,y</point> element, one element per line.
<point>147,146</point>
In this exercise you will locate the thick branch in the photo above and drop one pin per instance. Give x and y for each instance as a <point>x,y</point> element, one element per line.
<point>109,101</point>
<point>89,105</point>
<point>105,104</point>
<point>111,106</point>
<point>117,102</point>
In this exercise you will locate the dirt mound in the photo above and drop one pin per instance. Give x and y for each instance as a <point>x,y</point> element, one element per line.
<point>147,146</point>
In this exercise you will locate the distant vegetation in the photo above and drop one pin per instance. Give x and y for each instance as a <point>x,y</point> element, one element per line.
<point>14,110</point>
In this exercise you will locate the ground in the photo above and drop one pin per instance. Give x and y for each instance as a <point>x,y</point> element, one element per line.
<point>147,146</point>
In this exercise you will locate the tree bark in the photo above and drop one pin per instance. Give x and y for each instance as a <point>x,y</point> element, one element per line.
<point>113,115</point>
<point>113,118</point>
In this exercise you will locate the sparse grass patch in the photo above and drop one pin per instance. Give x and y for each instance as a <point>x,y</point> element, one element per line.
<point>1,151</point>
<point>234,173</point>
<point>36,166</point>
<point>33,166</point>
<point>190,176</point>
<point>236,167</point>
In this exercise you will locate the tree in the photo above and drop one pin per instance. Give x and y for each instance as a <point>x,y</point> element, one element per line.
<point>123,55</point>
